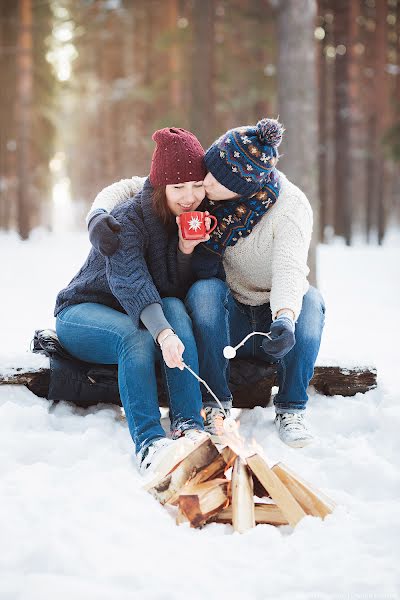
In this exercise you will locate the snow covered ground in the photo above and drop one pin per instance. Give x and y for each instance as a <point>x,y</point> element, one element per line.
<point>75,523</point>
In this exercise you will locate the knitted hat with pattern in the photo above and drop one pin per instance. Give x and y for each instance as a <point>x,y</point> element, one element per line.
<point>178,157</point>
<point>241,158</point>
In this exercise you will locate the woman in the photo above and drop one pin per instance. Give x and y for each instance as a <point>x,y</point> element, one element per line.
<point>253,273</point>
<point>116,308</point>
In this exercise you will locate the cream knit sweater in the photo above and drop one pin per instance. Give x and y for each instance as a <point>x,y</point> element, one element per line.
<point>270,265</point>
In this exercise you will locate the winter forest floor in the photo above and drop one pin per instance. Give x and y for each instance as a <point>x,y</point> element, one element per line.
<point>75,523</point>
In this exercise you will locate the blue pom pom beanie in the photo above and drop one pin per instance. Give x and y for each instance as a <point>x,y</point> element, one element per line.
<point>242,158</point>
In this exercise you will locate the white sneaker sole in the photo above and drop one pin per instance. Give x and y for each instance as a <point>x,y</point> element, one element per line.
<point>297,443</point>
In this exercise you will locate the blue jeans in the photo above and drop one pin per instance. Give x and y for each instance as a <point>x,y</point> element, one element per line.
<point>219,320</point>
<point>99,334</point>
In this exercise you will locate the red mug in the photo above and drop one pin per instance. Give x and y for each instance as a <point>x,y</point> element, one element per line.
<point>193,226</point>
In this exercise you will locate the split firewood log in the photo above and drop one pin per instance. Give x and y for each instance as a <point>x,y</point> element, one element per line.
<point>201,502</point>
<point>164,487</point>
<point>180,517</point>
<point>312,501</point>
<point>289,506</point>
<point>268,514</point>
<point>214,470</point>
<point>242,497</point>
<point>229,455</point>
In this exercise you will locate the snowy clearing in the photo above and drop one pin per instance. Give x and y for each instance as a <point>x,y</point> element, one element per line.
<point>75,522</point>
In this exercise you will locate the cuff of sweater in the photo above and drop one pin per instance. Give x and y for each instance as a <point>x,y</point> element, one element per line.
<point>135,305</point>
<point>94,213</point>
<point>154,320</point>
<point>287,298</point>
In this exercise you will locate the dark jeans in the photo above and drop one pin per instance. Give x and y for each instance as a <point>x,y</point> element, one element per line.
<point>219,321</point>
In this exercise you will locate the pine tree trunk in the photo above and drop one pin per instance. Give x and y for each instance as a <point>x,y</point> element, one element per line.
<point>343,200</point>
<point>382,112</point>
<point>202,115</point>
<point>297,103</point>
<point>24,115</point>
<point>322,129</point>
<point>8,41</point>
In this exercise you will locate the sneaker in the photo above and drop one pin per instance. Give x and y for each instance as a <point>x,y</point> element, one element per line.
<point>293,430</point>
<point>150,457</point>
<point>195,435</point>
<point>214,421</point>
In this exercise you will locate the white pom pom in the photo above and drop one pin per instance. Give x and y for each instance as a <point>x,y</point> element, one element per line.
<point>270,132</point>
<point>229,352</point>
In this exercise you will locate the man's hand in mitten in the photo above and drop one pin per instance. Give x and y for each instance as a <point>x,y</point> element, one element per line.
<point>103,233</point>
<point>282,337</point>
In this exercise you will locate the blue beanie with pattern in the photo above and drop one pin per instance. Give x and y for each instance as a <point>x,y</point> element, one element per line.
<point>242,158</point>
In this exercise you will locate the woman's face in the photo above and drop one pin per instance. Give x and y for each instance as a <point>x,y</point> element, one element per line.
<point>184,197</point>
<point>215,190</point>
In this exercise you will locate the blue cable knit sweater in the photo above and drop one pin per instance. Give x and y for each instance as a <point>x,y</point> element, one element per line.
<point>141,272</point>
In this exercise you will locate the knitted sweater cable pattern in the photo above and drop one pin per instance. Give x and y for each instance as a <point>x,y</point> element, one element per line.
<point>140,273</point>
<point>270,265</point>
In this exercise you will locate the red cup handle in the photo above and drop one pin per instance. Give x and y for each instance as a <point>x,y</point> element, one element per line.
<point>213,226</point>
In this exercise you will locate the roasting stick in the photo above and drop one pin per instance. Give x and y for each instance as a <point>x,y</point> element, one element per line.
<point>229,422</point>
<point>230,351</point>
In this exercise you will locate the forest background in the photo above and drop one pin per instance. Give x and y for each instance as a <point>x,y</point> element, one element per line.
<point>84,83</point>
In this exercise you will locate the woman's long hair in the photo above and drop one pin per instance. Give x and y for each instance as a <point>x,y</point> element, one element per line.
<point>160,206</point>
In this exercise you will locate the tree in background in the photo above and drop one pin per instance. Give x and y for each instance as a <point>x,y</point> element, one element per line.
<point>124,68</point>
<point>297,102</point>
<point>8,143</point>
<point>27,121</point>
<point>359,75</point>
<point>24,100</point>
<point>202,105</point>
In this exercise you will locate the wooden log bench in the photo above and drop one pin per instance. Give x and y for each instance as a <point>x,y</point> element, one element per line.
<point>251,381</point>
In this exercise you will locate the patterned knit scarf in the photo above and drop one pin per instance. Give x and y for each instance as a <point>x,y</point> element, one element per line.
<point>236,219</point>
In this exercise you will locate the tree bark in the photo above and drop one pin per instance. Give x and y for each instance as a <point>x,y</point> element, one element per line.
<point>202,115</point>
<point>342,121</point>
<point>297,103</point>
<point>24,115</point>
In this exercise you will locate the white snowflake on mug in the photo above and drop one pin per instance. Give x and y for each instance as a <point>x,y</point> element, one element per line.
<point>194,223</point>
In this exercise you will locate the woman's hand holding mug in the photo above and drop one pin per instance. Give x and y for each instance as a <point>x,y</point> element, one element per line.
<point>193,229</point>
<point>172,348</point>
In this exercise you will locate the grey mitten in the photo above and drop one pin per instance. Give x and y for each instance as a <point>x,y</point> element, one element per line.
<point>103,233</point>
<point>282,338</point>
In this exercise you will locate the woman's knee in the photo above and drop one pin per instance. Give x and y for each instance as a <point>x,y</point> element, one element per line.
<point>137,341</point>
<point>206,298</point>
<point>175,310</point>
<point>173,306</point>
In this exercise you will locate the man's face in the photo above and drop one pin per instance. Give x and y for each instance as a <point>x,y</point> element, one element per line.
<point>216,191</point>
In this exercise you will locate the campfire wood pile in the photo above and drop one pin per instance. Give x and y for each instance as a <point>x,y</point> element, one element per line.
<point>211,485</point>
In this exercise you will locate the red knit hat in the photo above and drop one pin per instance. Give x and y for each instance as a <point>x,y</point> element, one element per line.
<point>178,157</point>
